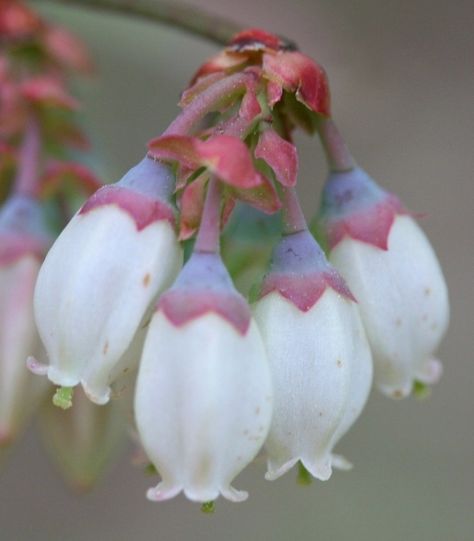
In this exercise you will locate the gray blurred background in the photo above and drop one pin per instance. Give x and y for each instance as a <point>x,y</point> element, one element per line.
<point>402,83</point>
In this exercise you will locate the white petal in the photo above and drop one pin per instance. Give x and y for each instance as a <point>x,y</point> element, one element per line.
<point>93,290</point>
<point>203,404</point>
<point>313,356</point>
<point>403,301</point>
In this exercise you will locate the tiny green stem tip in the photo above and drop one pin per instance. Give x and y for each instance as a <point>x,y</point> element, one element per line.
<point>63,397</point>
<point>421,390</point>
<point>304,477</point>
<point>208,507</point>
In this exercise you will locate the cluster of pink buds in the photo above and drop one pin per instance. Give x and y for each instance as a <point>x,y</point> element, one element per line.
<point>141,285</point>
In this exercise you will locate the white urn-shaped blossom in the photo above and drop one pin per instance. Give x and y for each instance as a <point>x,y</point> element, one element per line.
<point>101,275</point>
<point>319,357</point>
<point>203,397</point>
<point>23,243</point>
<point>394,274</point>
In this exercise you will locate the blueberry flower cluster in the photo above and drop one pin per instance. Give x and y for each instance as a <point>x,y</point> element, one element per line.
<point>140,286</point>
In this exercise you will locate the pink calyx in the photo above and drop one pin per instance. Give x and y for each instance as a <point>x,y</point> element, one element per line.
<point>13,246</point>
<point>142,209</point>
<point>181,307</point>
<point>304,290</point>
<point>371,225</point>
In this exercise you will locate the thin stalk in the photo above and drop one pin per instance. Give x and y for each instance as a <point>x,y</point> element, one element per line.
<point>293,217</point>
<point>338,156</point>
<point>207,102</point>
<point>208,237</point>
<point>191,19</point>
<point>26,182</point>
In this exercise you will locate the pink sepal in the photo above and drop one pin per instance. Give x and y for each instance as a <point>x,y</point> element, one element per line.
<point>371,225</point>
<point>142,209</point>
<point>264,197</point>
<point>47,90</point>
<point>298,73</point>
<point>304,290</point>
<point>13,246</point>
<point>255,39</point>
<point>280,155</point>
<point>222,62</point>
<point>224,155</point>
<point>180,307</point>
<point>66,49</point>
<point>191,206</point>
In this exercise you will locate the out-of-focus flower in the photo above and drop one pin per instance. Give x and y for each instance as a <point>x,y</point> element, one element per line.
<point>23,242</point>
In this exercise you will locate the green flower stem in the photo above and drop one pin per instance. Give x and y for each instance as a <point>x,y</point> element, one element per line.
<point>191,19</point>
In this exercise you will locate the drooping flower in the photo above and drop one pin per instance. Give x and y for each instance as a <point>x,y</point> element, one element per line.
<point>23,243</point>
<point>393,272</point>
<point>203,397</point>
<point>101,275</point>
<point>319,356</point>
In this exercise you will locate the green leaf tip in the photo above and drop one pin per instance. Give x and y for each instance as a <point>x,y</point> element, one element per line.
<point>63,397</point>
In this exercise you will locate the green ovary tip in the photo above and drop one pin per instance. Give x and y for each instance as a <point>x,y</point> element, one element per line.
<point>63,397</point>
<point>208,507</point>
<point>304,477</point>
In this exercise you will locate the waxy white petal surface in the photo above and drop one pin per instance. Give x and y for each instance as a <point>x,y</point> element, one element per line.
<point>321,367</point>
<point>203,405</point>
<point>94,289</point>
<point>403,302</point>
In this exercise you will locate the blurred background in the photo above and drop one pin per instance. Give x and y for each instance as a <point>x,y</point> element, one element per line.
<point>402,82</point>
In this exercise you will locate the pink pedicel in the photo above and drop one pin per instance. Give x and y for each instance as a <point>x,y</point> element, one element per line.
<point>143,193</point>
<point>22,230</point>
<point>354,205</point>
<point>300,272</point>
<point>204,286</point>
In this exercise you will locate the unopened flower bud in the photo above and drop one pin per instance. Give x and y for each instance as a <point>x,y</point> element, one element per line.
<point>203,398</point>
<point>393,272</point>
<point>99,278</point>
<point>319,357</point>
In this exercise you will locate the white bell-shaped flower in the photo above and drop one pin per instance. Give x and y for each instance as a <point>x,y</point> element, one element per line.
<point>393,272</point>
<point>101,275</point>
<point>203,399</point>
<point>319,357</point>
<point>23,243</point>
